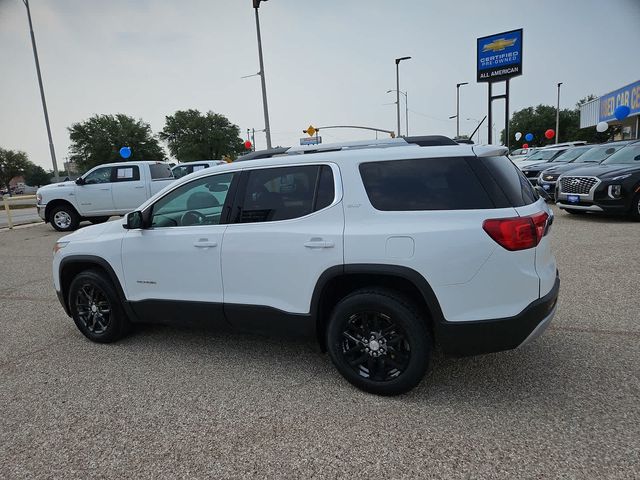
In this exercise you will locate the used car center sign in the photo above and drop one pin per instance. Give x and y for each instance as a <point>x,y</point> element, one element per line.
<point>500,56</point>
<point>629,96</point>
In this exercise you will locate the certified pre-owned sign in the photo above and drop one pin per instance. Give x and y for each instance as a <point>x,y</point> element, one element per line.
<point>500,56</point>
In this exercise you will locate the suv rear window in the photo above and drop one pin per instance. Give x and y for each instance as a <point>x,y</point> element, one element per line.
<point>160,170</point>
<point>511,181</point>
<point>424,184</point>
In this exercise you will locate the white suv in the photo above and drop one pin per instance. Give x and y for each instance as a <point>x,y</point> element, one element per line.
<point>380,250</point>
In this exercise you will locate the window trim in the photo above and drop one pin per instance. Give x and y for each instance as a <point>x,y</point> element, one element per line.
<point>147,212</point>
<point>242,185</point>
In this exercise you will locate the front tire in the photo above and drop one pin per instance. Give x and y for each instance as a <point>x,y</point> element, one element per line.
<point>635,208</point>
<point>96,308</point>
<point>379,342</point>
<point>64,218</point>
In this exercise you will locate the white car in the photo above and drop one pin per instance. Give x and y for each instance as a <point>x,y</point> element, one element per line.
<point>382,250</point>
<point>104,191</point>
<point>182,169</point>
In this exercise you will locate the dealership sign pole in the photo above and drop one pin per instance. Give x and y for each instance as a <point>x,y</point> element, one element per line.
<point>499,59</point>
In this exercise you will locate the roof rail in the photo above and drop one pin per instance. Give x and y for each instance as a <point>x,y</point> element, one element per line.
<point>422,141</point>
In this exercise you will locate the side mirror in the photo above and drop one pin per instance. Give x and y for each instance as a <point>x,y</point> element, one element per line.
<point>80,181</point>
<point>134,221</point>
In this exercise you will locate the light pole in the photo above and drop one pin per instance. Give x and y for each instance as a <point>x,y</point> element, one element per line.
<point>406,110</point>
<point>458,85</point>
<point>558,115</point>
<point>398,60</point>
<point>44,103</point>
<point>267,129</point>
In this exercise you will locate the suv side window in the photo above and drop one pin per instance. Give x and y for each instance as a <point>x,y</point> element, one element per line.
<point>284,193</point>
<point>100,175</point>
<point>199,202</point>
<point>424,184</point>
<point>181,171</point>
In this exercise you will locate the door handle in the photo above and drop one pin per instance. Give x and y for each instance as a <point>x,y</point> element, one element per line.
<point>141,186</point>
<point>105,189</point>
<point>318,243</point>
<point>204,243</point>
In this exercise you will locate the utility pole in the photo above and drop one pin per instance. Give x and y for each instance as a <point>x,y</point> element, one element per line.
<point>398,60</point>
<point>267,129</point>
<point>558,115</point>
<point>458,85</point>
<point>44,103</point>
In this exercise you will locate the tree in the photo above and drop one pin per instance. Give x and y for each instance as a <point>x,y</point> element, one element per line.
<point>98,140</point>
<point>537,120</point>
<point>36,176</point>
<point>12,164</point>
<point>191,135</point>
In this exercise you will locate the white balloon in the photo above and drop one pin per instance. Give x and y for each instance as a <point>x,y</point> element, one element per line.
<point>602,127</point>
<point>518,136</point>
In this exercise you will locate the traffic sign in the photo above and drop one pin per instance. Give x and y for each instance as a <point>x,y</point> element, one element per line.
<point>310,140</point>
<point>310,131</point>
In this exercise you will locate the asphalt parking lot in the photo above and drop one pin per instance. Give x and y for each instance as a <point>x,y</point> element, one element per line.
<point>167,402</point>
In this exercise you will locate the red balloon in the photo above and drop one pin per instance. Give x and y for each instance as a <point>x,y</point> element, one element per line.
<point>248,145</point>
<point>525,145</point>
<point>550,133</point>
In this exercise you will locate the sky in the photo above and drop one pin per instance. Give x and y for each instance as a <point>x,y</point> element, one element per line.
<point>327,62</point>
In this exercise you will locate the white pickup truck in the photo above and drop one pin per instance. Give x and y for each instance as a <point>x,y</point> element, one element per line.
<point>104,191</point>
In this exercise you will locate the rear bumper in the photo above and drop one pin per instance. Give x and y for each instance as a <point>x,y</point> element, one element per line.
<point>486,336</point>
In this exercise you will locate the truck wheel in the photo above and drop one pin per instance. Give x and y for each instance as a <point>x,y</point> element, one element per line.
<point>64,218</point>
<point>635,208</point>
<point>96,308</point>
<point>96,220</point>
<point>379,342</point>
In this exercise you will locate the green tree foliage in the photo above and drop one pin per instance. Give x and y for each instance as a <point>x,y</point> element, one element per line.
<point>12,164</point>
<point>98,140</point>
<point>36,176</point>
<point>191,135</point>
<point>538,120</point>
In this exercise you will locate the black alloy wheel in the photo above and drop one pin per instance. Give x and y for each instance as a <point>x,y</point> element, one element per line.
<point>378,341</point>
<point>96,307</point>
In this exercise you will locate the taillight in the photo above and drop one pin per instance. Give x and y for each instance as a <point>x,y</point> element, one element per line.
<point>517,233</point>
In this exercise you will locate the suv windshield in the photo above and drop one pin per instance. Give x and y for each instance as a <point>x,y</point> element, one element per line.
<point>598,154</point>
<point>627,155</point>
<point>571,154</point>
<point>543,155</point>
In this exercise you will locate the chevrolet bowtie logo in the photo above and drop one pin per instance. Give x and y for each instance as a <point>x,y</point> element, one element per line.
<point>499,44</point>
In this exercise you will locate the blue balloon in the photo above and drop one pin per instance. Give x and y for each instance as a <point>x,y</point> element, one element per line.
<point>622,112</point>
<point>528,137</point>
<point>125,152</point>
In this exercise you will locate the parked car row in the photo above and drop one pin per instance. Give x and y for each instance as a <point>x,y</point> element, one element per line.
<point>589,178</point>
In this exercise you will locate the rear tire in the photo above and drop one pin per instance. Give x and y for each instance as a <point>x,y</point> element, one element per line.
<point>64,218</point>
<point>96,220</point>
<point>635,208</point>
<point>379,342</point>
<point>96,308</point>
<point>574,212</point>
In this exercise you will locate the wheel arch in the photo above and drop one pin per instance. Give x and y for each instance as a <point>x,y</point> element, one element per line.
<point>56,203</point>
<point>71,266</point>
<point>337,282</point>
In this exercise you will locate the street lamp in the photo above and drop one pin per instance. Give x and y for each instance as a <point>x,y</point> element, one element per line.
<point>44,103</point>
<point>398,60</point>
<point>558,115</point>
<point>406,110</point>
<point>267,129</point>
<point>458,85</point>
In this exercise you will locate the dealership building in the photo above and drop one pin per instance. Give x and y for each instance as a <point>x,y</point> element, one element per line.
<point>602,110</point>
